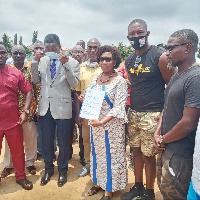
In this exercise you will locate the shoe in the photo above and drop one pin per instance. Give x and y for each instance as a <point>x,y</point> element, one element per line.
<point>145,196</point>
<point>62,179</point>
<point>26,184</point>
<point>82,161</point>
<point>134,192</point>
<point>130,163</point>
<point>32,170</point>
<point>105,197</point>
<point>6,172</point>
<point>46,178</point>
<point>84,171</point>
<point>39,156</point>
<point>54,158</point>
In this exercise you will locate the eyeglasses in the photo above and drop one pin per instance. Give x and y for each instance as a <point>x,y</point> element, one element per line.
<point>107,59</point>
<point>171,47</point>
<point>3,53</point>
<point>137,62</point>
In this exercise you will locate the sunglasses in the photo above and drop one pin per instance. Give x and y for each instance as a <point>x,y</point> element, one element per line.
<point>137,62</point>
<point>107,59</point>
<point>171,47</point>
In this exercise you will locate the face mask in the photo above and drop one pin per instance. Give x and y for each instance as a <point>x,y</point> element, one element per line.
<point>138,42</point>
<point>52,55</point>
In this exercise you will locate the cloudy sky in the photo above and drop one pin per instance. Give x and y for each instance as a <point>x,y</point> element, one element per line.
<point>106,20</point>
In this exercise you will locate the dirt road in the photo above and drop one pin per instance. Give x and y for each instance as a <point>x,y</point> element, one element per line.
<point>75,189</point>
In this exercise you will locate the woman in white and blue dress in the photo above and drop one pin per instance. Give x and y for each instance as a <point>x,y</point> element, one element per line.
<point>108,159</point>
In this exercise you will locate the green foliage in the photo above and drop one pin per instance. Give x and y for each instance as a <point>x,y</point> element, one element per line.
<point>124,50</point>
<point>8,43</point>
<point>15,39</point>
<point>20,40</point>
<point>35,34</point>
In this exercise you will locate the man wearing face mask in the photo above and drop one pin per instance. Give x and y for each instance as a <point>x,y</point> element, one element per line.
<point>58,73</point>
<point>148,74</point>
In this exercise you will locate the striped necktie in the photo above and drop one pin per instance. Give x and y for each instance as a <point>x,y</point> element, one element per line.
<point>53,68</point>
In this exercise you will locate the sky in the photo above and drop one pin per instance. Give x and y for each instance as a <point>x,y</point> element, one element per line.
<point>106,20</point>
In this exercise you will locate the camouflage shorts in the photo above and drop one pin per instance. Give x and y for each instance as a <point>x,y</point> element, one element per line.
<point>173,175</point>
<point>141,127</point>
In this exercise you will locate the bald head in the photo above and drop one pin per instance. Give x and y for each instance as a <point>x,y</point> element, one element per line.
<point>94,40</point>
<point>18,55</point>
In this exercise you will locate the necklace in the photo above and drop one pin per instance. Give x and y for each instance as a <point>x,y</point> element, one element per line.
<point>108,77</point>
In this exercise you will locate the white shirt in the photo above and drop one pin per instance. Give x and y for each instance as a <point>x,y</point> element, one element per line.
<point>196,163</point>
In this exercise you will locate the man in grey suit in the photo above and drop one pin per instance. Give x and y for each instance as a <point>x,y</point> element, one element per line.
<point>58,73</point>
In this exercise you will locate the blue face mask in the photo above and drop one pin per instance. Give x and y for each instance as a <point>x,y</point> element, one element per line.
<point>52,55</point>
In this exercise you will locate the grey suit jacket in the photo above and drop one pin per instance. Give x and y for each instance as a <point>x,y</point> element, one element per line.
<point>56,93</point>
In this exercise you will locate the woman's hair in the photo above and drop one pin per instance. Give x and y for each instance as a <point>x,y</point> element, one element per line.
<point>113,50</point>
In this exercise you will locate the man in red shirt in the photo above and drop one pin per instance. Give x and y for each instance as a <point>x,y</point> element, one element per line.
<point>11,120</point>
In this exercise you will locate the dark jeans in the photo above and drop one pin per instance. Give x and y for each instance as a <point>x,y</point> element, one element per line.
<point>48,125</point>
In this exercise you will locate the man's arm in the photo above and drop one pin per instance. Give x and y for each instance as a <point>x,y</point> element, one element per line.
<point>184,127</point>
<point>28,100</point>
<point>166,72</point>
<point>72,69</point>
<point>35,72</point>
<point>77,105</point>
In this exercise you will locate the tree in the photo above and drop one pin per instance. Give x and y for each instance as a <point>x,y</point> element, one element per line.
<point>20,40</point>
<point>15,39</point>
<point>7,43</point>
<point>124,50</point>
<point>35,34</point>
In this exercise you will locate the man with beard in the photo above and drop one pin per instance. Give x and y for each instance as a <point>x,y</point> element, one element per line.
<point>88,70</point>
<point>29,127</point>
<point>11,120</point>
<point>148,74</point>
<point>176,130</point>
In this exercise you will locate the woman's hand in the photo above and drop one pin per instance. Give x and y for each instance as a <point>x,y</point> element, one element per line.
<point>95,122</point>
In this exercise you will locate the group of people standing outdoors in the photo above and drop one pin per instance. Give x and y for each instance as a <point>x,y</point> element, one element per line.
<point>161,117</point>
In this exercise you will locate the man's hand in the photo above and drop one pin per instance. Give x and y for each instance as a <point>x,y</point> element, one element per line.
<point>22,118</point>
<point>63,57</point>
<point>80,97</point>
<point>38,55</point>
<point>78,120</point>
<point>128,83</point>
<point>95,122</point>
<point>157,144</point>
<point>38,116</point>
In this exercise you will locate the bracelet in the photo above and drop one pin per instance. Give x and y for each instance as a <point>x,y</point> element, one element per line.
<point>102,123</point>
<point>162,140</point>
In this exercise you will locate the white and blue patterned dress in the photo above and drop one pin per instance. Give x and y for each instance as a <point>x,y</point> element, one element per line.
<point>108,158</point>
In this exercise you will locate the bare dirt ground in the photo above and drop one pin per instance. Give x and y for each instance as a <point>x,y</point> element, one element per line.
<point>76,188</point>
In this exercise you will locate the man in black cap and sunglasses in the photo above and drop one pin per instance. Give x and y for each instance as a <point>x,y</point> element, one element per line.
<point>175,134</point>
<point>148,74</point>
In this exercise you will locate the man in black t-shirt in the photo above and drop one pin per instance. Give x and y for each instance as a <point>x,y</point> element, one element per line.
<point>148,74</point>
<point>175,133</point>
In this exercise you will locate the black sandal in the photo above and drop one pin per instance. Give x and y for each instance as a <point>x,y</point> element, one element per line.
<point>94,190</point>
<point>105,197</point>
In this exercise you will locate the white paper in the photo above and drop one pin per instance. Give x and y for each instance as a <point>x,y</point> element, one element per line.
<point>92,104</point>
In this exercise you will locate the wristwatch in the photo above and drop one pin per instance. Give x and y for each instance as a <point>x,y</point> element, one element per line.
<point>26,111</point>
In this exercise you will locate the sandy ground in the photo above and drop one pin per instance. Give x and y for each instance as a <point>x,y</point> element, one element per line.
<point>75,189</point>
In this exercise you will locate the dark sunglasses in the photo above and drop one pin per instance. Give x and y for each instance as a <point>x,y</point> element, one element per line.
<point>171,47</point>
<point>137,62</point>
<point>107,59</point>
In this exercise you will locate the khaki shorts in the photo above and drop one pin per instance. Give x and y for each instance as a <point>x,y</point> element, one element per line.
<point>141,127</point>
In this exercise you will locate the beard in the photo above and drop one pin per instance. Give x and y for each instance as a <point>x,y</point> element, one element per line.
<point>172,64</point>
